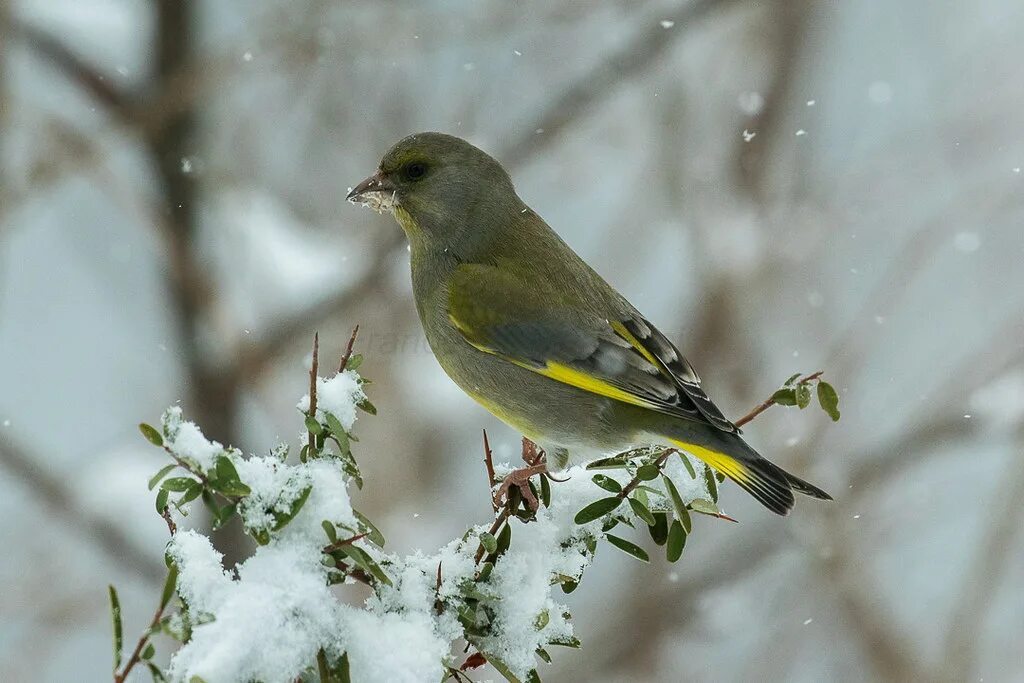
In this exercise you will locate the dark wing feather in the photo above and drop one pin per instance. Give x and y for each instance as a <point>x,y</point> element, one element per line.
<point>674,364</point>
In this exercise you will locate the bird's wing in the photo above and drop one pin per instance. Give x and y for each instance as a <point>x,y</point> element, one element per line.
<point>623,359</point>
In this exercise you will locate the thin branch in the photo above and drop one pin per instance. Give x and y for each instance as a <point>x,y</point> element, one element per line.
<point>978,585</point>
<point>312,389</point>
<point>622,64</point>
<point>87,76</point>
<point>136,657</point>
<point>52,492</point>
<point>771,401</point>
<point>348,350</point>
<point>489,463</point>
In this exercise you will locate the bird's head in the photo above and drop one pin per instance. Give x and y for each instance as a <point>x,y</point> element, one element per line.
<point>437,186</point>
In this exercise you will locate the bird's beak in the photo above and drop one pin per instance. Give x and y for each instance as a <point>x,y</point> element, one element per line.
<point>376,192</point>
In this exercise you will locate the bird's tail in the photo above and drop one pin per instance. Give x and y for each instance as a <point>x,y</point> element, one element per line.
<point>771,485</point>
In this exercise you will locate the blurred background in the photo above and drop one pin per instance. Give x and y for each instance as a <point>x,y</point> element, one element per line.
<point>781,185</point>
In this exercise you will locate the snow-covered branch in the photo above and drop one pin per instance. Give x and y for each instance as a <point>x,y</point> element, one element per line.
<point>492,593</point>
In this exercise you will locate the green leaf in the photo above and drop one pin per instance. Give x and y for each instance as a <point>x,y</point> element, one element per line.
<point>533,677</point>
<point>115,616</point>
<point>542,620</point>
<point>367,407</point>
<point>161,501</point>
<point>545,491</point>
<point>191,493</point>
<point>504,539</point>
<point>676,541</point>
<point>597,509</point>
<point>354,361</point>
<point>156,673</point>
<point>803,395</point>
<point>659,531</point>
<point>312,426</point>
<point>224,515</point>
<point>829,400</point>
<point>647,472</point>
<point>281,519</point>
<point>341,669</point>
<point>151,434</point>
<point>678,506</point>
<point>613,463</point>
<point>228,481</point>
<point>704,506</point>
<point>792,378</point>
<point>569,586</point>
<point>161,474</point>
<point>374,535</point>
<point>543,654</point>
<point>332,533</point>
<point>641,511</point>
<point>148,652</point>
<point>169,585</point>
<point>607,483</point>
<point>709,480</point>
<point>177,484</point>
<point>628,548</point>
<point>687,464</point>
<point>367,563</point>
<point>502,668</point>
<point>785,396</point>
<point>571,641</point>
<point>489,542</point>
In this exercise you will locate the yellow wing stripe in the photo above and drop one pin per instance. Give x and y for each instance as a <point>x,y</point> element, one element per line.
<point>621,330</point>
<point>581,380</point>
<point>565,374</point>
<point>725,464</point>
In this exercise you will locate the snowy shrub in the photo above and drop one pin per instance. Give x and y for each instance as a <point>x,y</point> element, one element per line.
<point>276,617</point>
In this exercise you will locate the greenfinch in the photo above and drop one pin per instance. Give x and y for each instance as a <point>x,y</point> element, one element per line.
<point>531,332</point>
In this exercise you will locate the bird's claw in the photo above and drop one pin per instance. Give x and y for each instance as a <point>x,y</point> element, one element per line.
<point>520,479</point>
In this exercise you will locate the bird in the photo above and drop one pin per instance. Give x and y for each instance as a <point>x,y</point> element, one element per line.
<point>525,327</point>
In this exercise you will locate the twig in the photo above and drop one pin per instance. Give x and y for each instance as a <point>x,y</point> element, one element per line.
<point>771,401</point>
<point>312,387</point>
<point>120,677</point>
<point>136,655</point>
<point>635,481</point>
<point>60,499</point>
<point>661,459</point>
<point>172,528</point>
<point>348,349</point>
<point>344,542</point>
<point>632,58</point>
<point>498,521</point>
<point>489,462</point>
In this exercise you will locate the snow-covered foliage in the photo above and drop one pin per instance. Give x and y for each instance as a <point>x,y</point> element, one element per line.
<point>276,617</point>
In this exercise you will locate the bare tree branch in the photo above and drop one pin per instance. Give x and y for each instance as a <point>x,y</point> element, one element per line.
<point>87,76</point>
<point>58,497</point>
<point>978,586</point>
<point>650,43</point>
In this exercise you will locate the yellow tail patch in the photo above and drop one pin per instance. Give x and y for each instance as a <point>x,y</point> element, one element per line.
<point>725,464</point>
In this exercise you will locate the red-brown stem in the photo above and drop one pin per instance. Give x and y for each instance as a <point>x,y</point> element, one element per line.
<point>139,646</point>
<point>344,542</point>
<point>348,349</point>
<point>312,387</point>
<point>489,462</point>
<point>771,401</point>
<point>498,521</point>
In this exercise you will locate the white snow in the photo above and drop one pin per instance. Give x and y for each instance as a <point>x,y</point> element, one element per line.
<point>337,395</point>
<point>185,439</point>
<point>268,620</point>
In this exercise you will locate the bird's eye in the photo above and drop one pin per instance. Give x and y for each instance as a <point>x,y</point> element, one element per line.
<point>415,170</point>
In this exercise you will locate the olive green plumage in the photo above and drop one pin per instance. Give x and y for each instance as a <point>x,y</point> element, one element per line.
<point>523,325</point>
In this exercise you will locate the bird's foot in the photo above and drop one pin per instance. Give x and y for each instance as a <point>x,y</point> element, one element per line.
<point>520,479</point>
